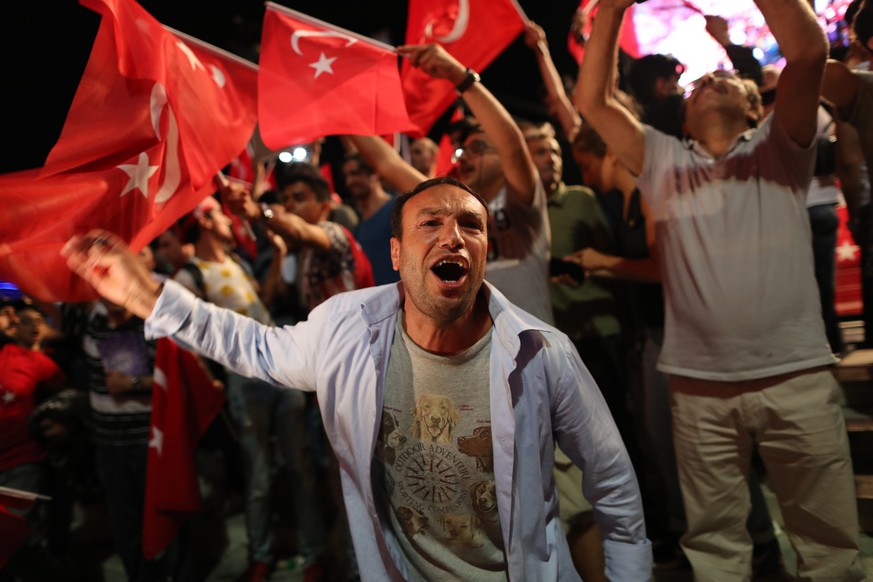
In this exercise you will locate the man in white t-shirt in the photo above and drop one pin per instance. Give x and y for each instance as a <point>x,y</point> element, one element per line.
<point>744,339</point>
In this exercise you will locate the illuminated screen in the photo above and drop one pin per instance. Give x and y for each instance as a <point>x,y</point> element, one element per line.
<point>677,27</point>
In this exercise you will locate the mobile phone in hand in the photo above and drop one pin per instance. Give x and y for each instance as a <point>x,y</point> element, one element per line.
<point>558,267</point>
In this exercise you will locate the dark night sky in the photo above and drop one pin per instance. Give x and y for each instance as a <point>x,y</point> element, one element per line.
<point>48,44</point>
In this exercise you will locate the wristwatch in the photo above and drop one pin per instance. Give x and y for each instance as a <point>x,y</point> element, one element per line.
<point>468,81</point>
<point>136,383</point>
<point>266,213</point>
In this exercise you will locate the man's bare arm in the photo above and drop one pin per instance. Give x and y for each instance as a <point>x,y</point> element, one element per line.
<point>803,43</point>
<point>503,133</point>
<point>840,85</point>
<point>386,162</point>
<point>535,38</point>
<point>594,89</point>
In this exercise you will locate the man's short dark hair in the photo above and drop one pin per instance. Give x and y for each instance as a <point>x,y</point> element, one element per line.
<point>863,22</point>
<point>400,201</point>
<point>309,175</point>
<point>464,128</point>
<point>357,157</point>
<point>645,72</point>
<point>587,140</point>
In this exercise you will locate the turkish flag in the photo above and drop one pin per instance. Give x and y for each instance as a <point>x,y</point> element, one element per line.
<point>473,31</point>
<point>317,79</point>
<point>627,39</point>
<point>14,530</point>
<point>155,115</point>
<point>184,403</point>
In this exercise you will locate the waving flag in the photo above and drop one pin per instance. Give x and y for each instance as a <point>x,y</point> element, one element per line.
<point>473,31</point>
<point>184,403</point>
<point>155,115</point>
<point>317,79</point>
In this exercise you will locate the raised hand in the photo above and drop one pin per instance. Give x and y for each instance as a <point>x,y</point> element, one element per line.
<point>106,263</point>
<point>435,61</point>
<point>534,35</point>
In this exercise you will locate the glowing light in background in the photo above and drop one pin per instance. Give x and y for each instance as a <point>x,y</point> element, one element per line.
<point>676,27</point>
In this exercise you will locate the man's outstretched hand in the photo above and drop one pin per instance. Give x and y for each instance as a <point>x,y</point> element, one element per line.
<point>107,264</point>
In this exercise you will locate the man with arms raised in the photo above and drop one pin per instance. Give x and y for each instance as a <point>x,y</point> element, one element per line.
<point>496,164</point>
<point>744,339</point>
<point>433,502</point>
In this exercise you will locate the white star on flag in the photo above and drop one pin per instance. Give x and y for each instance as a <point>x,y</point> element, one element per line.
<point>322,65</point>
<point>192,58</point>
<point>846,252</point>
<point>139,175</point>
<point>157,440</point>
<point>8,397</point>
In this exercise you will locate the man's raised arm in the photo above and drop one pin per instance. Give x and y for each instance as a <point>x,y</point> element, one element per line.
<point>386,162</point>
<point>805,48</point>
<point>503,133</point>
<point>594,94</point>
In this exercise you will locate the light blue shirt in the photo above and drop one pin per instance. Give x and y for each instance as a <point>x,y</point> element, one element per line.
<point>539,392</point>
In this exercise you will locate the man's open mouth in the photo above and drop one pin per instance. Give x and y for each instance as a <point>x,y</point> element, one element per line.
<point>449,270</point>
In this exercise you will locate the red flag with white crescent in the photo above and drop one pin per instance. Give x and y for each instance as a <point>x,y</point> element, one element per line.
<point>155,115</point>
<point>184,403</point>
<point>472,31</point>
<point>317,79</point>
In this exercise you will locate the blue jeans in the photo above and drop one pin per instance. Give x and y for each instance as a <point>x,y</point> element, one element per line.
<point>824,222</point>
<point>259,409</point>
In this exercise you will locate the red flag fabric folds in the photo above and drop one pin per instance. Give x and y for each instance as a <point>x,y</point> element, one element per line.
<point>627,37</point>
<point>184,403</point>
<point>155,116</point>
<point>317,79</point>
<point>473,31</point>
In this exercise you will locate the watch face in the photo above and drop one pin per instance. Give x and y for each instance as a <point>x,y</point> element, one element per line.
<point>267,213</point>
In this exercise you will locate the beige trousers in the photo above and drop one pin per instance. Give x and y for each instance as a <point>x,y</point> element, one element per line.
<point>796,422</point>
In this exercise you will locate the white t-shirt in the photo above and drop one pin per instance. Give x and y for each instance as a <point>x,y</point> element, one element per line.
<point>519,248</point>
<point>734,240</point>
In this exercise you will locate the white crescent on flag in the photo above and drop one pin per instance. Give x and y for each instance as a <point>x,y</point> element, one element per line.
<point>459,27</point>
<point>298,34</point>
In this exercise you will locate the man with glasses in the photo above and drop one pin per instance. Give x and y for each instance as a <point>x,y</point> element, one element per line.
<point>494,161</point>
<point>744,340</point>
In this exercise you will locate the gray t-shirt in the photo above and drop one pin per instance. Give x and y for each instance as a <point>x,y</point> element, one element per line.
<point>734,240</point>
<point>435,454</point>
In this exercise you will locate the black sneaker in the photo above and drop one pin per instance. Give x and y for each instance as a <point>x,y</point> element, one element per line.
<point>668,555</point>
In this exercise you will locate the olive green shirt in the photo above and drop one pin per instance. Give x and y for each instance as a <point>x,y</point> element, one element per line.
<point>577,222</point>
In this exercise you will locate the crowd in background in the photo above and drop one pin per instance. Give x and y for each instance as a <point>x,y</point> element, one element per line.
<point>574,244</point>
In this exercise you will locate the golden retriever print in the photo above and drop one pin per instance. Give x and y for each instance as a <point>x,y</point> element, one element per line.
<point>393,437</point>
<point>483,498</point>
<point>462,530</point>
<point>412,520</point>
<point>435,418</point>
<point>478,446</point>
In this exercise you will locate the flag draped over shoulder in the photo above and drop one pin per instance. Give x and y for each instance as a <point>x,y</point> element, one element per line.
<point>472,31</point>
<point>317,79</point>
<point>184,403</point>
<point>155,115</point>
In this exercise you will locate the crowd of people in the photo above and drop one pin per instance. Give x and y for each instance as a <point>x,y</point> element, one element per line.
<point>486,372</point>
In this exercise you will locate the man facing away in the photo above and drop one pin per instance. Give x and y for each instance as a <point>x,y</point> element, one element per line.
<point>438,376</point>
<point>744,340</point>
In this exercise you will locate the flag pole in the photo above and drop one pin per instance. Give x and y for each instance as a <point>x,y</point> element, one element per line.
<point>316,22</point>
